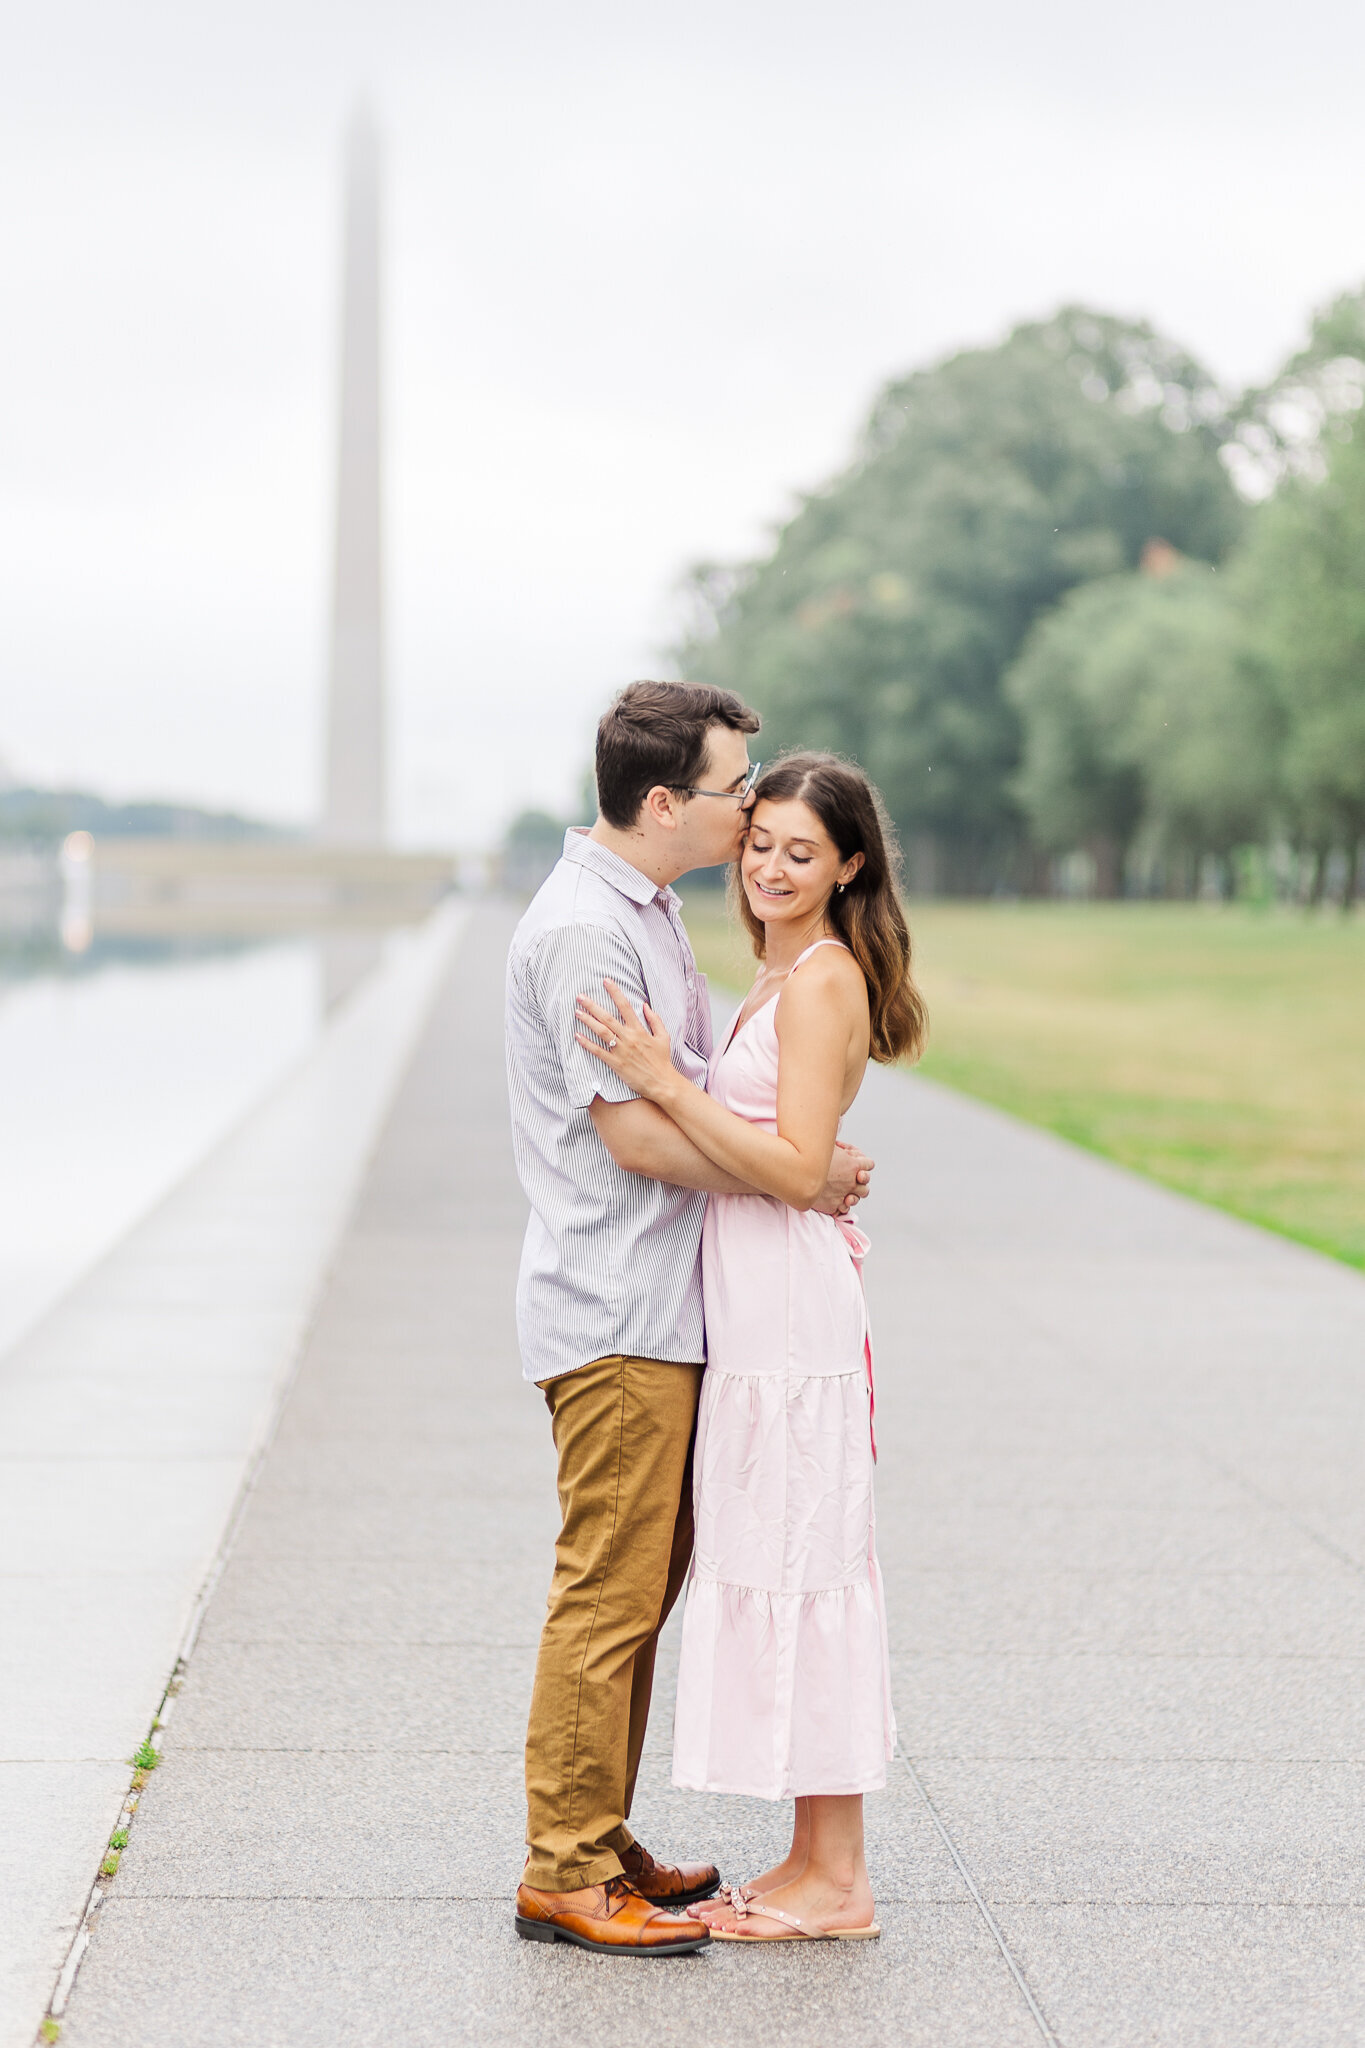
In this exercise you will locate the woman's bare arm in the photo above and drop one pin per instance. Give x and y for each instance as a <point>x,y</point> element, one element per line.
<point>642,1139</point>
<point>821,1017</point>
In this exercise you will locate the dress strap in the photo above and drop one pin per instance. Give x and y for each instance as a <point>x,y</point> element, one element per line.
<point>813,949</point>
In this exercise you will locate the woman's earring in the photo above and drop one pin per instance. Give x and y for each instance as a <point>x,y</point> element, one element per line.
<point>842,887</point>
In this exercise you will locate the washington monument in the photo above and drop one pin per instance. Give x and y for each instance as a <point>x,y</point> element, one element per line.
<point>354,807</point>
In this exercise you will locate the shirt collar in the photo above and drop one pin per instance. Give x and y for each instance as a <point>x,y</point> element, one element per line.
<point>590,853</point>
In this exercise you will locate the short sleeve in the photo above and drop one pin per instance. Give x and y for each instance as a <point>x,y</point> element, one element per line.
<point>573,960</point>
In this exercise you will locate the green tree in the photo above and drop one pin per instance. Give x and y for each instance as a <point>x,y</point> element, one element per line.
<point>1303,582</point>
<point>884,618</point>
<point>44,816</point>
<point>531,845</point>
<point>1287,427</point>
<point>1147,723</point>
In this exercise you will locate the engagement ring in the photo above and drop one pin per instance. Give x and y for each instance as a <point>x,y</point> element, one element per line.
<point>611,1045</point>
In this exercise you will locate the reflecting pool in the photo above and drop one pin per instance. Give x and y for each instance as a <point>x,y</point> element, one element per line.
<point>119,1069</point>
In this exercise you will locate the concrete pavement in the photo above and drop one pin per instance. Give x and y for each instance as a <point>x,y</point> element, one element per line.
<point>129,1419</point>
<point>1122,1525</point>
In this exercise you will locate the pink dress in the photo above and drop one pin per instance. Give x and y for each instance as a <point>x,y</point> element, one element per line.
<point>784,1686</point>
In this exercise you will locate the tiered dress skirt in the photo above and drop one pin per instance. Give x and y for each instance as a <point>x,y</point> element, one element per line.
<point>784,1685</point>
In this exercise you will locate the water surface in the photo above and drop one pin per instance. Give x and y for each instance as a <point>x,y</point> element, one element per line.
<point>117,1073</point>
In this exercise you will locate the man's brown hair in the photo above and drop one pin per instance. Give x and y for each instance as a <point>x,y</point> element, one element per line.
<point>656,733</point>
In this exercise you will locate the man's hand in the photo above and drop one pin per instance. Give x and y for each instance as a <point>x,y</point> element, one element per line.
<point>850,1178</point>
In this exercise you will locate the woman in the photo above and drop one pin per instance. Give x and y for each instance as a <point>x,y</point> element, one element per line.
<point>784,1689</point>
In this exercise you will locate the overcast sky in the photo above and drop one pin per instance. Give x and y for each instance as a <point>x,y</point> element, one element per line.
<point>646,266</point>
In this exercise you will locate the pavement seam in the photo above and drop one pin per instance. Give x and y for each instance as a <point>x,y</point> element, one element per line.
<point>1269,1500</point>
<point>978,1656</point>
<point>143,1761</point>
<point>1011,1963</point>
<point>99,1891</point>
<point>1041,1903</point>
<point>1071,1758</point>
<point>500,1899</point>
<point>346,1749</point>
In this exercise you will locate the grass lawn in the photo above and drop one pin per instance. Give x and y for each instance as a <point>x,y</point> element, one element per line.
<point>1220,1050</point>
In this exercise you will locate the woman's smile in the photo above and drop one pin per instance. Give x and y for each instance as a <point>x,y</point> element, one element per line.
<point>789,865</point>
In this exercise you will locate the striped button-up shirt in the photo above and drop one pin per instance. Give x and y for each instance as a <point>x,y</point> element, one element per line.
<point>612,1260</point>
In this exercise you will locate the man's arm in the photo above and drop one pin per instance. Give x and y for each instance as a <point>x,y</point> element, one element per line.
<point>574,958</point>
<point>641,1139</point>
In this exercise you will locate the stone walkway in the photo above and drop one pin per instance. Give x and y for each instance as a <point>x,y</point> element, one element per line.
<point>131,1419</point>
<point>1123,1526</point>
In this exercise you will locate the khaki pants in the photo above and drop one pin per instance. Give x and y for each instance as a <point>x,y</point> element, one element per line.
<point>623,1430</point>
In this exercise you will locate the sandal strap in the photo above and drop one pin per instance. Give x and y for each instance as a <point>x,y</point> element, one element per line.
<point>776,1913</point>
<point>742,1904</point>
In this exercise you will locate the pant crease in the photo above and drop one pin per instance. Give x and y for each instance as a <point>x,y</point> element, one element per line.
<point>597,1604</point>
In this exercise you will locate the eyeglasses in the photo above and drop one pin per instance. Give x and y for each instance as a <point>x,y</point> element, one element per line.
<point>736,796</point>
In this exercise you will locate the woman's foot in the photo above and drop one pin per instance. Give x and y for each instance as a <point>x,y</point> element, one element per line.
<point>820,1905</point>
<point>720,1911</point>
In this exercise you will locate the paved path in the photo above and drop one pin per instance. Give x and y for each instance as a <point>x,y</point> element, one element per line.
<point>1123,1525</point>
<point>130,1418</point>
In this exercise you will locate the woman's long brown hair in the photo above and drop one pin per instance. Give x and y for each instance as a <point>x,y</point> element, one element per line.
<point>867,914</point>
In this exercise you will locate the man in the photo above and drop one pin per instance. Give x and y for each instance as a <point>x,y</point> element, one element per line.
<point>609,1307</point>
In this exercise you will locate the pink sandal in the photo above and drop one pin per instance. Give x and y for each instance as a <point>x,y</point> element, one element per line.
<point>739,1899</point>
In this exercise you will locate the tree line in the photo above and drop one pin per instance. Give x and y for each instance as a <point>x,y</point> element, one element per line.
<point>43,818</point>
<point>1088,619</point>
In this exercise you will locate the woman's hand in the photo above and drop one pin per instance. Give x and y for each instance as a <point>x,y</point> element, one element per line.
<point>640,1054</point>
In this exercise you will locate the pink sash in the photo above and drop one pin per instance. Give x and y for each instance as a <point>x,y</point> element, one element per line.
<point>859,1245</point>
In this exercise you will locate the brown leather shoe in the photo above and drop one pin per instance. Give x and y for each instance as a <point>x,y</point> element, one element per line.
<point>669,1884</point>
<point>611,1916</point>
